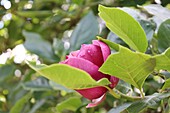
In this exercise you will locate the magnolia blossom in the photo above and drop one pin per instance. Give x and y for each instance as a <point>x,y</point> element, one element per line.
<point>90,58</point>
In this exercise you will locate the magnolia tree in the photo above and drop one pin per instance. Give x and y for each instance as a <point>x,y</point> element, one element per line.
<point>93,70</point>
<point>125,71</point>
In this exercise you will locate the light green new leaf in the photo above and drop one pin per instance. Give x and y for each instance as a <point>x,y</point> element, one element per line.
<point>163,60</point>
<point>167,84</point>
<point>70,104</point>
<point>132,67</point>
<point>124,26</point>
<point>70,77</point>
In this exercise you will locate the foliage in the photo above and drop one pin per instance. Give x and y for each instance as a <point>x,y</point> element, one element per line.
<point>34,33</point>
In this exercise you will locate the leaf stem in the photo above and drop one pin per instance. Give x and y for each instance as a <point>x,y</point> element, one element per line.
<point>117,94</point>
<point>130,98</point>
<point>142,94</point>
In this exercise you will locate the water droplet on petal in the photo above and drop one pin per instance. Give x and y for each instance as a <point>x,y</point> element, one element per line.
<point>82,55</point>
<point>88,51</point>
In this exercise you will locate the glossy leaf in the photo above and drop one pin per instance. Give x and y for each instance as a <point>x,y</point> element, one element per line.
<point>35,44</point>
<point>17,108</point>
<point>148,27</point>
<point>132,67</point>
<point>124,26</point>
<point>123,87</point>
<point>70,104</point>
<point>39,84</point>
<point>150,101</point>
<point>114,38</point>
<point>167,84</point>
<point>157,10</point>
<point>164,35</point>
<point>119,109</point>
<point>70,77</point>
<point>163,60</point>
<point>85,31</point>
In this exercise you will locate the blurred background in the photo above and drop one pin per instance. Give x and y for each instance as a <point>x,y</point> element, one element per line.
<point>44,31</point>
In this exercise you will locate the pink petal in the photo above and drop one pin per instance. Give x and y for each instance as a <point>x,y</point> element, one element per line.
<point>73,54</point>
<point>92,53</point>
<point>114,81</point>
<point>96,102</point>
<point>87,66</point>
<point>92,93</point>
<point>104,48</point>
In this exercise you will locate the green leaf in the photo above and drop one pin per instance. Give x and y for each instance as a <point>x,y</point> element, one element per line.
<point>34,13</point>
<point>167,84</point>
<point>151,101</point>
<point>85,31</point>
<point>164,35</point>
<point>6,71</point>
<point>17,108</point>
<point>56,86</point>
<point>163,60</point>
<point>132,67</point>
<point>157,10</point>
<point>70,104</point>
<point>119,109</point>
<point>109,43</point>
<point>114,38</point>
<point>124,26</point>
<point>148,27</point>
<point>123,87</point>
<point>35,44</point>
<point>37,105</point>
<point>70,77</point>
<point>39,84</point>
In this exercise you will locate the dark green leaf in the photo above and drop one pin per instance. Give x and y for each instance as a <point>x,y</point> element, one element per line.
<point>164,35</point>
<point>150,101</point>
<point>39,84</point>
<point>85,31</point>
<point>113,38</point>
<point>157,10</point>
<point>6,71</point>
<point>119,109</point>
<point>123,87</point>
<point>35,44</point>
<point>37,105</point>
<point>148,27</point>
<point>34,13</point>
<point>17,108</point>
<point>56,86</point>
<point>123,25</point>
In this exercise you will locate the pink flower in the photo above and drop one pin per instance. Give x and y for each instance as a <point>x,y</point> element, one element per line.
<point>89,58</point>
